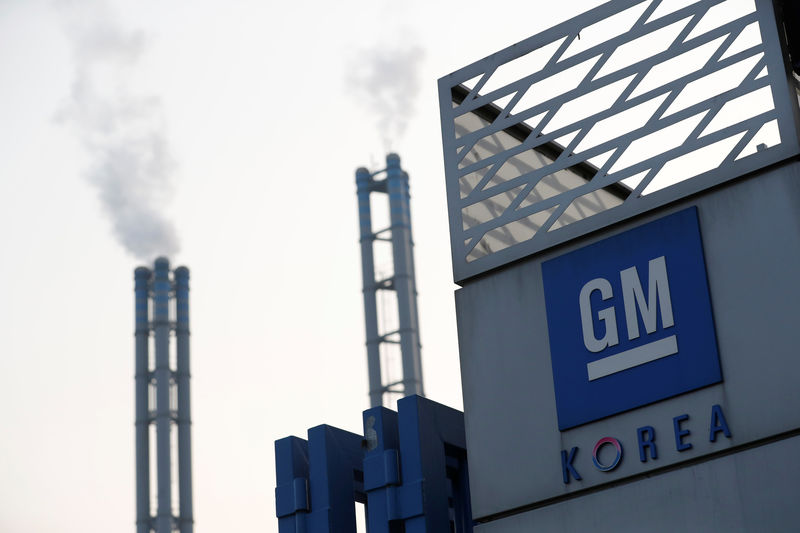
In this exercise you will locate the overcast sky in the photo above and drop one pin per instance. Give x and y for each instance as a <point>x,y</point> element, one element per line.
<point>227,134</point>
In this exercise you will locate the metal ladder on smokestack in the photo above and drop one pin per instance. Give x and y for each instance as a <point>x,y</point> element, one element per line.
<point>393,182</point>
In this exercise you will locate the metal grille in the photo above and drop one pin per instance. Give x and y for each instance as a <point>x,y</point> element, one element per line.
<point>624,108</point>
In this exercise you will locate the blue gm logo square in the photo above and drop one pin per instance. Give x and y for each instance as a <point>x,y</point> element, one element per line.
<point>629,320</point>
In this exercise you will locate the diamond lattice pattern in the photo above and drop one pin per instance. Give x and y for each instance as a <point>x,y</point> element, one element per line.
<point>601,112</point>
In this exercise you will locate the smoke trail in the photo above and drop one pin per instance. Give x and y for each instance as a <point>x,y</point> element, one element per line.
<point>386,80</point>
<point>122,131</point>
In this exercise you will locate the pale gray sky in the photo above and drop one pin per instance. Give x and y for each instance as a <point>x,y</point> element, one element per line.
<point>252,130</point>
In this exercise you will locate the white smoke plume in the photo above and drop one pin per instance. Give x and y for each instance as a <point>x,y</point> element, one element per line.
<point>121,129</point>
<point>385,80</point>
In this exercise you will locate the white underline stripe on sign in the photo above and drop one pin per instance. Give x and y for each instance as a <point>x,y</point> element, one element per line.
<point>633,357</point>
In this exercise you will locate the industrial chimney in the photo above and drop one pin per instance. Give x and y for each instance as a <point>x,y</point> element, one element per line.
<point>394,324</point>
<point>162,398</point>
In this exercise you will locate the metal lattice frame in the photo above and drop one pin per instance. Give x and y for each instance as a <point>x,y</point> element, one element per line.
<point>527,169</point>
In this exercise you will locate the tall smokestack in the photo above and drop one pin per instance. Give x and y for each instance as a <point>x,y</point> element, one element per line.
<point>393,182</point>
<point>141,288</point>
<point>364,187</point>
<point>155,290</point>
<point>161,289</point>
<point>184,408</point>
<point>405,284</point>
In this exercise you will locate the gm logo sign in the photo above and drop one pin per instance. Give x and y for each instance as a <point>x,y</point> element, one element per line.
<point>630,320</point>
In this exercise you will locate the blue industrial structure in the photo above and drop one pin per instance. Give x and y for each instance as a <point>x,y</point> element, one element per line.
<point>162,398</point>
<point>409,469</point>
<point>394,183</point>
